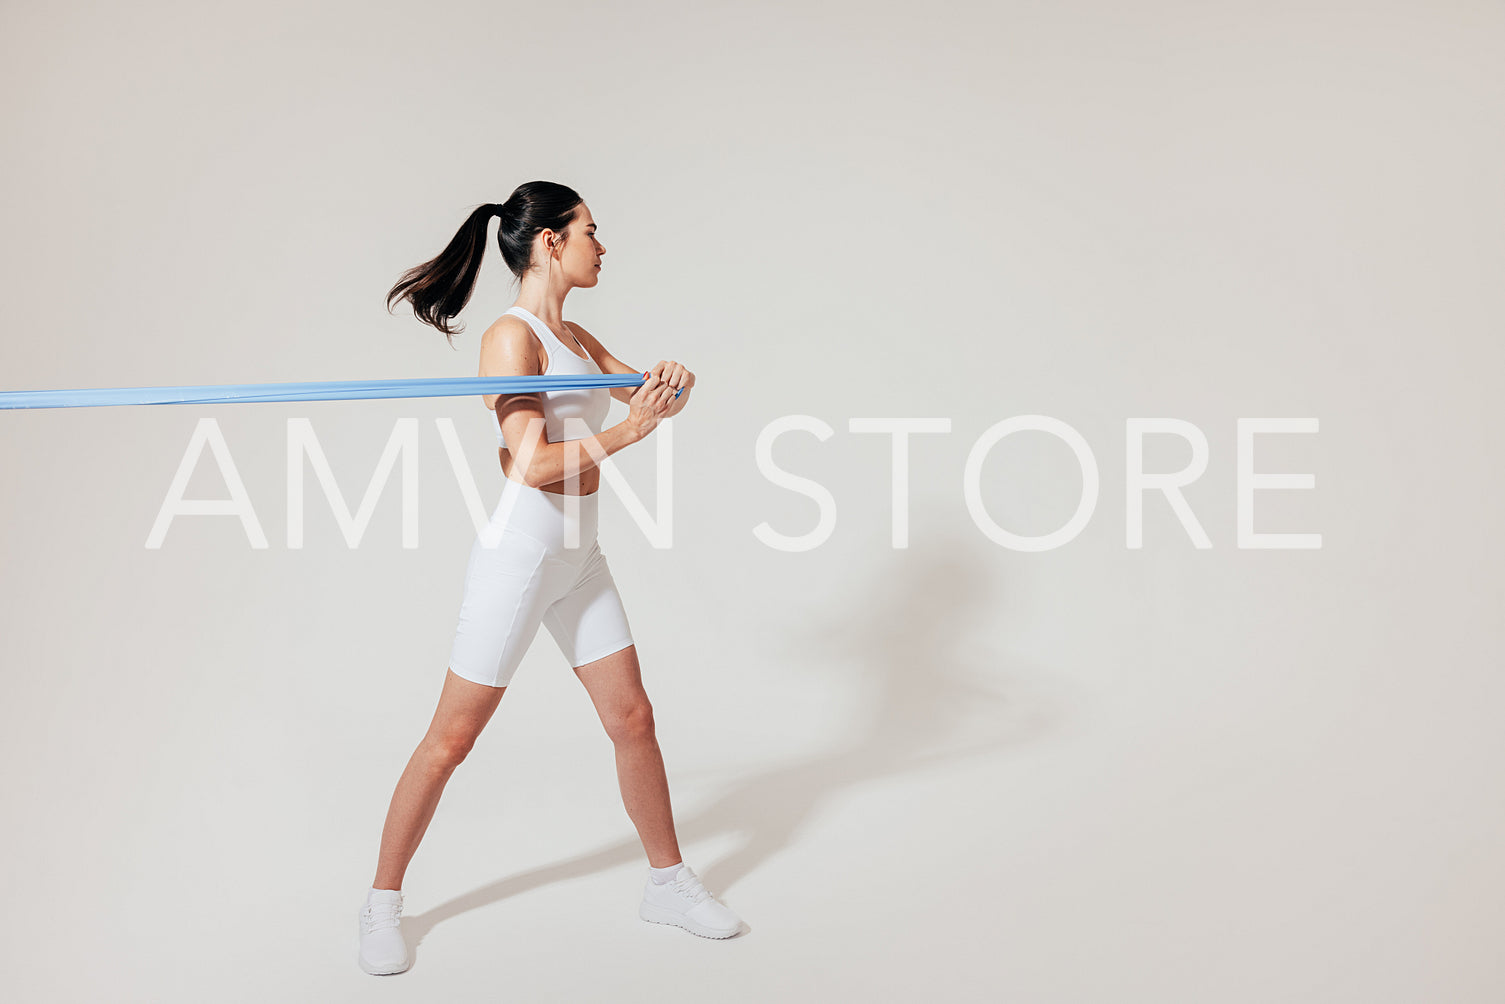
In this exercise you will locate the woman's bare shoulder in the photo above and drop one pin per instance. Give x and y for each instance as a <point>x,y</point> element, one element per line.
<point>506,348</point>
<point>508,327</point>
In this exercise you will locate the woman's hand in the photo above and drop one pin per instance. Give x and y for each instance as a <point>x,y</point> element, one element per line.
<point>678,377</point>
<point>674,374</point>
<point>650,403</point>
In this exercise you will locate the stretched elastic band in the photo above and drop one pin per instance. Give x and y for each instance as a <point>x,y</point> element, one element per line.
<point>327,390</point>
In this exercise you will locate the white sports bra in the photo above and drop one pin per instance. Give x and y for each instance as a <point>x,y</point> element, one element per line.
<point>589,406</point>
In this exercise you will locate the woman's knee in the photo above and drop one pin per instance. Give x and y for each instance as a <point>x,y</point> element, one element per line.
<point>448,750</point>
<point>633,723</point>
<point>464,709</point>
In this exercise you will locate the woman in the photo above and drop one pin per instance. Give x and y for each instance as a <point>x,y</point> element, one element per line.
<point>545,566</point>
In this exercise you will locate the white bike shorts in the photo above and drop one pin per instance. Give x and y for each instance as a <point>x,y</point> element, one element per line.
<point>537,562</point>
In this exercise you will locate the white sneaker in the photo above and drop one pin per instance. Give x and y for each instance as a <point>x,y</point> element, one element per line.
<point>684,902</point>
<point>383,950</point>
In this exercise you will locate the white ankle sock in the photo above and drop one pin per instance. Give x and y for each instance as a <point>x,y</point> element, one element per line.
<point>662,875</point>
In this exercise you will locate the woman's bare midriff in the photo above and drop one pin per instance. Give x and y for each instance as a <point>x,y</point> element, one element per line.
<point>590,479</point>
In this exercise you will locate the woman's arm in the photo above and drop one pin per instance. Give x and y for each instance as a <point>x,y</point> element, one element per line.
<point>665,370</point>
<point>510,350</point>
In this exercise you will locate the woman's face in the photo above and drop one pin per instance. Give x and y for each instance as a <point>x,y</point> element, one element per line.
<point>580,254</point>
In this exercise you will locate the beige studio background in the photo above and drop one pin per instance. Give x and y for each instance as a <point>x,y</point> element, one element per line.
<point>947,771</point>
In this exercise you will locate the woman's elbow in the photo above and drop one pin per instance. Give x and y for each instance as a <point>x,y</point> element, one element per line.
<point>531,476</point>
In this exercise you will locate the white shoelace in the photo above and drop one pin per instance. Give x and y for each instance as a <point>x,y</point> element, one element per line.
<point>690,887</point>
<point>382,915</point>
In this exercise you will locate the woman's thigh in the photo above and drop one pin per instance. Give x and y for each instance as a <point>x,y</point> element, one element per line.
<point>508,588</point>
<point>589,622</point>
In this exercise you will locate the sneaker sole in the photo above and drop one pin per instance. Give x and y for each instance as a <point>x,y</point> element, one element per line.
<point>377,970</point>
<point>659,915</point>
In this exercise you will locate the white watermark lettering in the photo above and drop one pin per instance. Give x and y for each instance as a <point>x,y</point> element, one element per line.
<point>238,504</point>
<point>1170,485</point>
<point>301,440</point>
<point>1249,482</point>
<point>763,451</point>
<point>972,482</point>
<point>658,525</point>
<point>899,429</point>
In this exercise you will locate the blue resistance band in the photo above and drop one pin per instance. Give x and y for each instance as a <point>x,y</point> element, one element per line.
<point>328,390</point>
